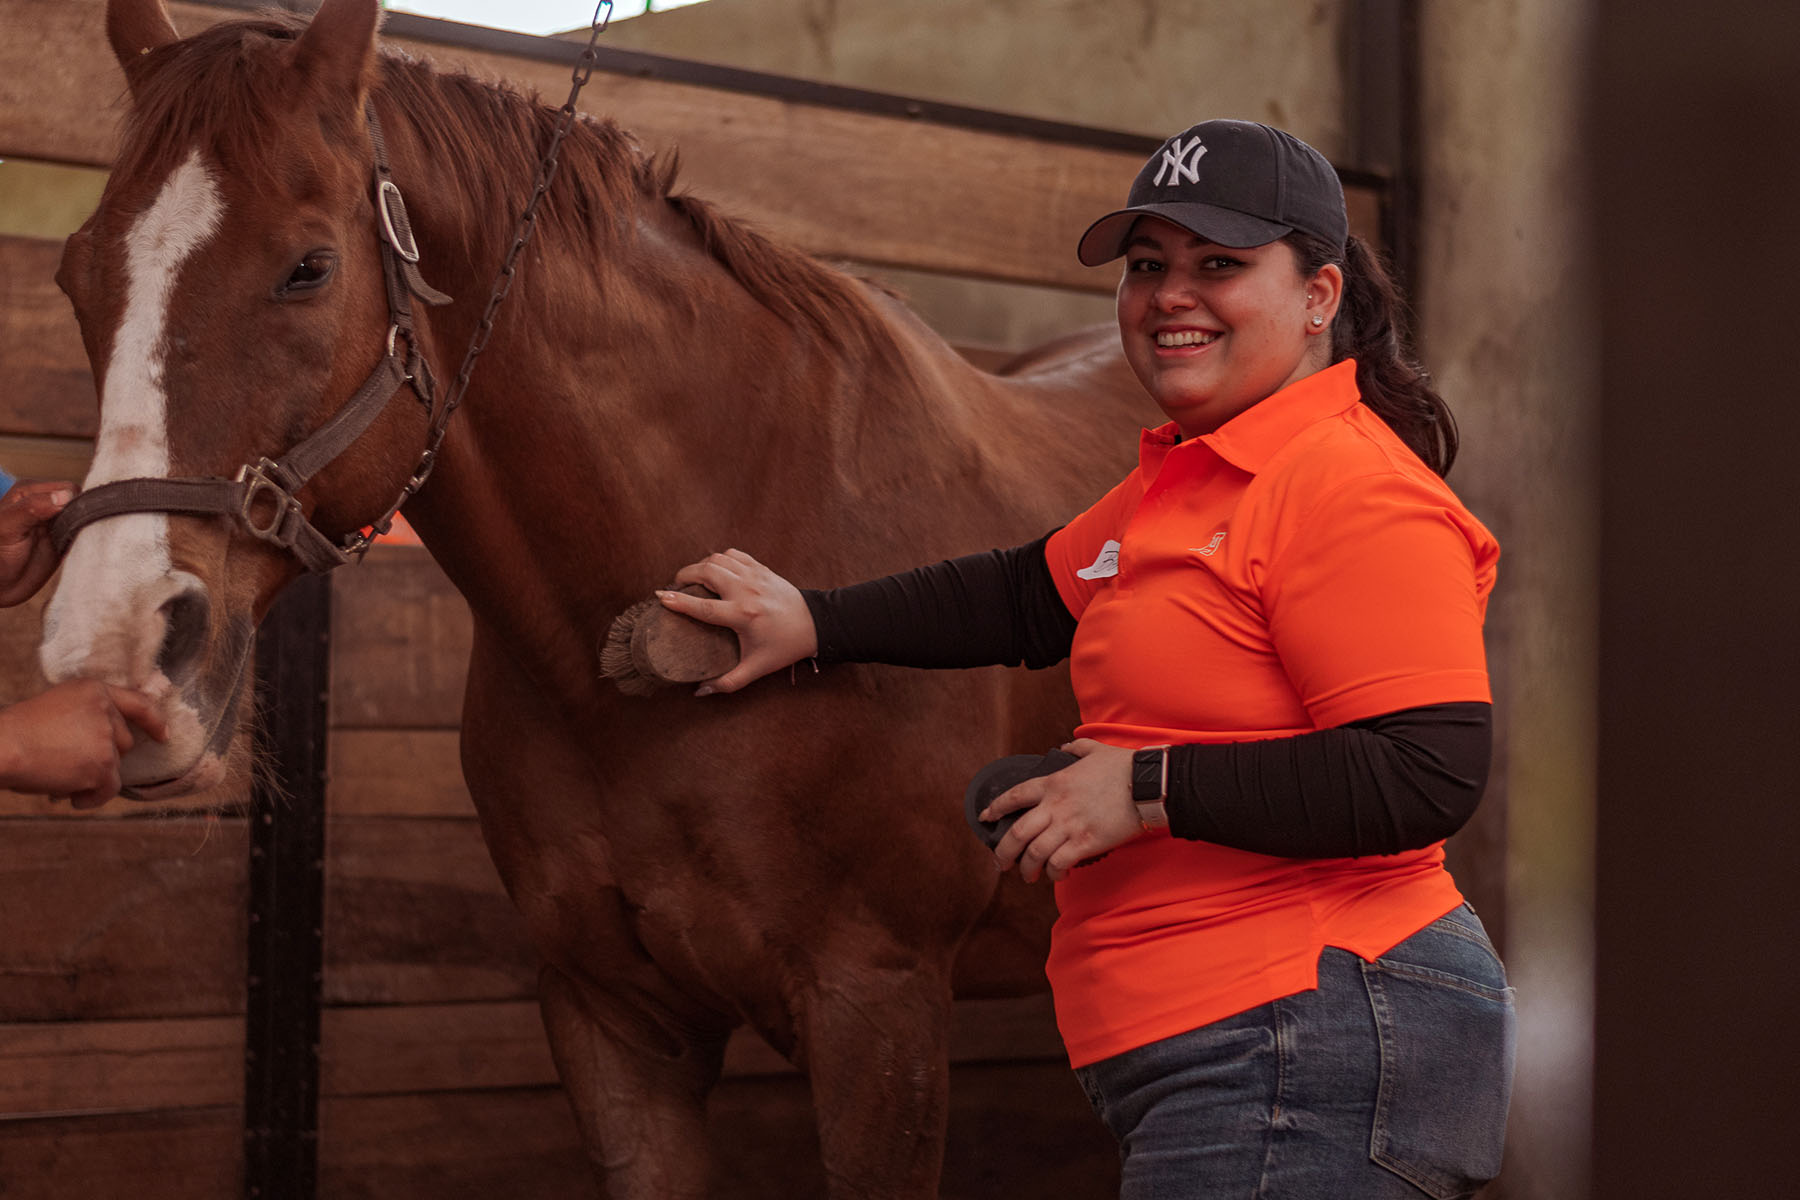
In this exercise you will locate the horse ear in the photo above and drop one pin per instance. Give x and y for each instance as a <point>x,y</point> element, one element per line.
<point>337,51</point>
<point>135,28</point>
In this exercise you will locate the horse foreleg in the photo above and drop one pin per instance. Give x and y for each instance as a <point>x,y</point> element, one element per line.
<point>638,1082</point>
<point>875,1045</point>
<point>636,1052</point>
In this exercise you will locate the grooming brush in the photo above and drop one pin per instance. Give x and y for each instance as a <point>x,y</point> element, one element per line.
<point>648,648</point>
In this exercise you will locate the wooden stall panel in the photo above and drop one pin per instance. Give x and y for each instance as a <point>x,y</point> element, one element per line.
<point>433,1048</point>
<point>54,1067</point>
<point>1021,1129</point>
<point>836,182</point>
<point>115,919</point>
<point>1015,1130</point>
<point>49,390</point>
<point>397,773</point>
<point>188,1155</point>
<point>449,1047</point>
<point>801,171</point>
<point>414,914</point>
<point>400,643</point>
<point>425,1147</point>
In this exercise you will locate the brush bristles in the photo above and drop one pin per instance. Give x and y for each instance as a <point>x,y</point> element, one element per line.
<point>617,662</point>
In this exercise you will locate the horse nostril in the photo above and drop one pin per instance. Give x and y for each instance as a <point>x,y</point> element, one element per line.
<point>184,631</point>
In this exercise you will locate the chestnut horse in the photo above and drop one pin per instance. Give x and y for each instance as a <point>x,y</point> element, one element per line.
<point>663,382</point>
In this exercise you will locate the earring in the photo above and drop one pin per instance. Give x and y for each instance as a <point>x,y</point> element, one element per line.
<point>1317,321</point>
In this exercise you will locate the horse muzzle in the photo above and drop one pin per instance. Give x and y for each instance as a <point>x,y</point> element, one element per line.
<point>123,615</point>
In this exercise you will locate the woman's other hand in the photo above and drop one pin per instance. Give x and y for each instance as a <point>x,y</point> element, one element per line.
<point>27,556</point>
<point>1077,813</point>
<point>768,614</point>
<point>67,741</point>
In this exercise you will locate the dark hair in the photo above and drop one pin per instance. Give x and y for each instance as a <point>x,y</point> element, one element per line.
<point>1371,328</point>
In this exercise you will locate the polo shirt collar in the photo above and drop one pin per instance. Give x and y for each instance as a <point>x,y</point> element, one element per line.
<point>1250,439</point>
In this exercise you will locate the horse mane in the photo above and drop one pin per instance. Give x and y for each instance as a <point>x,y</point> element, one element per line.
<point>226,86</point>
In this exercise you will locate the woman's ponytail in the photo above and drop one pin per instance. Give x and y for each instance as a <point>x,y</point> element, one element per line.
<point>1371,328</point>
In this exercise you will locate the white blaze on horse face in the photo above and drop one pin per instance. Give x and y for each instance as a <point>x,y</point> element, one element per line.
<point>105,619</point>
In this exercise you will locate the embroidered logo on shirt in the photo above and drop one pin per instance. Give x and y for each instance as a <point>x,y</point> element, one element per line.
<point>1211,547</point>
<point>1105,564</point>
<point>1184,158</point>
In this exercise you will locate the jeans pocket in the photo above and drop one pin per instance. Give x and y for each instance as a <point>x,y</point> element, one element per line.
<point>1445,1020</point>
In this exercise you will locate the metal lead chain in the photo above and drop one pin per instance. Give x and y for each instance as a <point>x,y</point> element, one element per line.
<point>584,67</point>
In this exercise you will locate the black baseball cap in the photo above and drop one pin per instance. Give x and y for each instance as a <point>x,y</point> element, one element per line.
<point>1236,183</point>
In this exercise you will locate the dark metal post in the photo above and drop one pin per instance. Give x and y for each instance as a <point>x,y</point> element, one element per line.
<point>1381,75</point>
<point>287,895</point>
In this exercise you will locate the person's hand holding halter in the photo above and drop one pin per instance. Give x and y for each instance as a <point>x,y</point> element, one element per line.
<point>27,557</point>
<point>68,740</point>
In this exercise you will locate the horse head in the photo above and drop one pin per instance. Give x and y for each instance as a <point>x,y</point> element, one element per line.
<point>232,300</point>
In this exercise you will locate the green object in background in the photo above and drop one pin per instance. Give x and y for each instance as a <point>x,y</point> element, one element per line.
<point>46,200</point>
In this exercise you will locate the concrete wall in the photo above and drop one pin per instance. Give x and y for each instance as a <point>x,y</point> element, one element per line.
<point>1144,66</point>
<point>1505,305</point>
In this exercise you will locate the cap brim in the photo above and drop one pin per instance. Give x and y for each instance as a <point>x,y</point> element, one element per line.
<point>1105,238</point>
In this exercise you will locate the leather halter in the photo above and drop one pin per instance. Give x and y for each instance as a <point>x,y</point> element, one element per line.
<point>263,495</point>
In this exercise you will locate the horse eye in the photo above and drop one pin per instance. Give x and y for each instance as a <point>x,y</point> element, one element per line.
<point>311,272</point>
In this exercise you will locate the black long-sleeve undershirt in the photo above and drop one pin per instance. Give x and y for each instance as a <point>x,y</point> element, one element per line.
<point>1395,782</point>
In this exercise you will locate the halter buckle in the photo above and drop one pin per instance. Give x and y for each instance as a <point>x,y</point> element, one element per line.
<point>257,481</point>
<point>398,232</point>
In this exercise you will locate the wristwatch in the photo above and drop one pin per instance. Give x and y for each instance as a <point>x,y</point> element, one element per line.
<point>1150,786</point>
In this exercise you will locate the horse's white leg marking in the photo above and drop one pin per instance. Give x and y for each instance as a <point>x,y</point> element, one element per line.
<point>104,619</point>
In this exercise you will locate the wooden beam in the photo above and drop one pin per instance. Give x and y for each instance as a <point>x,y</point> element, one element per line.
<point>512,1142</point>
<point>46,457</point>
<point>49,389</point>
<point>400,644</point>
<point>122,919</point>
<point>59,1067</point>
<point>192,1154</point>
<point>841,183</point>
<point>415,914</point>
<point>433,1048</point>
<point>391,1049</point>
<point>1013,1127</point>
<point>397,773</point>
<point>800,171</point>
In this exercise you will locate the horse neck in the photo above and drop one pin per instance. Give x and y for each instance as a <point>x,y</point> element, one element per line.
<point>637,408</point>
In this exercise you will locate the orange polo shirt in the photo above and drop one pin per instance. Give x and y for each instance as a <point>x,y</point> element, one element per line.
<point>1298,568</point>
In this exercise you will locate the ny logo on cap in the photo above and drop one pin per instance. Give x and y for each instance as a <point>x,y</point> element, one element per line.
<point>1184,159</point>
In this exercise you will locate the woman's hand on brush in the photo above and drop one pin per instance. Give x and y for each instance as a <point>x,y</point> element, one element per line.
<point>768,614</point>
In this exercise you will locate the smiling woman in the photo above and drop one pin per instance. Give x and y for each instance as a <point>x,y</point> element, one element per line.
<point>1273,627</point>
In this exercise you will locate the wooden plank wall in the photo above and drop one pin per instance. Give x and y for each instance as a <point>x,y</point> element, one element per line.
<point>122,934</point>
<point>122,951</point>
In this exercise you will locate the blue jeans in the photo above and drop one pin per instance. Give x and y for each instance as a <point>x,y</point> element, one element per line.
<point>1390,1080</point>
